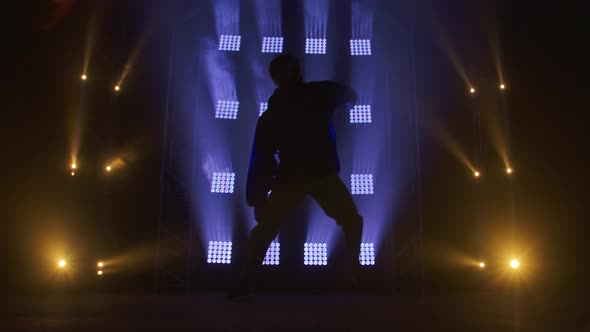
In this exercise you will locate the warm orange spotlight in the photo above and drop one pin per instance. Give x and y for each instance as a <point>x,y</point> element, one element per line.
<point>99,272</point>
<point>472,91</point>
<point>108,168</point>
<point>74,166</point>
<point>508,170</point>
<point>482,265</point>
<point>514,263</point>
<point>61,263</point>
<point>83,77</point>
<point>502,86</point>
<point>73,173</point>
<point>100,264</point>
<point>117,88</point>
<point>476,174</point>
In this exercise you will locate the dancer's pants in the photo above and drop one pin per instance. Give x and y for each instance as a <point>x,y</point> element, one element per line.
<point>333,197</point>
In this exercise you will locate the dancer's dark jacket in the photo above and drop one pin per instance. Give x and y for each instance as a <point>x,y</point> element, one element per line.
<point>297,126</point>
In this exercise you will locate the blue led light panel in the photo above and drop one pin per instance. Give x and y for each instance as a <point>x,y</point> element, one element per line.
<point>360,47</point>
<point>272,254</point>
<point>262,109</point>
<point>229,43</point>
<point>223,183</point>
<point>219,252</point>
<point>360,114</point>
<point>272,44</point>
<point>227,109</point>
<point>315,46</point>
<point>361,184</point>
<point>315,254</point>
<point>367,256</point>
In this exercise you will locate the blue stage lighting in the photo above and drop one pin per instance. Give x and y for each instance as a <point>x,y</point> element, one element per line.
<point>360,47</point>
<point>367,256</point>
<point>360,114</point>
<point>223,183</point>
<point>272,254</point>
<point>272,44</point>
<point>229,43</point>
<point>227,109</point>
<point>315,46</point>
<point>315,254</point>
<point>263,107</point>
<point>361,184</point>
<point>219,252</point>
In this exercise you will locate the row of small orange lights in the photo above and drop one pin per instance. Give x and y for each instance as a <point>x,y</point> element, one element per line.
<point>514,264</point>
<point>508,171</point>
<point>117,87</point>
<point>74,167</point>
<point>502,87</point>
<point>61,264</point>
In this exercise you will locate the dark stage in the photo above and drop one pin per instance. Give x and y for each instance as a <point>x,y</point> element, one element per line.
<point>292,312</point>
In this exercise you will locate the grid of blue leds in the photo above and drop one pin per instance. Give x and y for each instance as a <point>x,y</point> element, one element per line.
<point>361,114</point>
<point>262,108</point>
<point>315,46</point>
<point>272,254</point>
<point>360,47</point>
<point>230,43</point>
<point>227,109</point>
<point>272,44</point>
<point>315,254</point>
<point>223,183</point>
<point>367,256</point>
<point>219,252</point>
<point>361,184</point>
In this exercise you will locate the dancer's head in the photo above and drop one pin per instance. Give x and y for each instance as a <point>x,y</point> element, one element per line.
<point>285,72</point>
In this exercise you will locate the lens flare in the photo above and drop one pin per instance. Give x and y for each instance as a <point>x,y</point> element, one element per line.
<point>61,263</point>
<point>515,264</point>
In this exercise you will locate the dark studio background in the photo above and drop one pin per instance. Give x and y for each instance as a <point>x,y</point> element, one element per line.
<point>544,54</point>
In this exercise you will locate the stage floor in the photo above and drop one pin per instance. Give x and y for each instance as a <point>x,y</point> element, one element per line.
<point>291,312</point>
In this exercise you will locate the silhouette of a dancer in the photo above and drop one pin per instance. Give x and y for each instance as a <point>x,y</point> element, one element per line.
<point>297,127</point>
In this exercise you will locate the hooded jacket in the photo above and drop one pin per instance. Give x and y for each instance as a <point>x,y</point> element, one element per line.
<point>297,130</point>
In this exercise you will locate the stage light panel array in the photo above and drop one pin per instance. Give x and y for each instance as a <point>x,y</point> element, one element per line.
<point>262,109</point>
<point>230,43</point>
<point>272,254</point>
<point>361,114</point>
<point>315,46</point>
<point>219,252</point>
<point>227,109</point>
<point>315,254</point>
<point>272,45</point>
<point>361,184</point>
<point>360,47</point>
<point>367,256</point>
<point>223,183</point>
